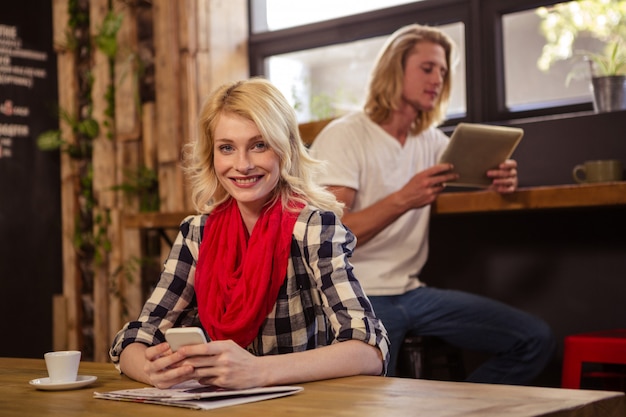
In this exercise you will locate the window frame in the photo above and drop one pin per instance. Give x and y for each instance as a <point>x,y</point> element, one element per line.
<point>483,43</point>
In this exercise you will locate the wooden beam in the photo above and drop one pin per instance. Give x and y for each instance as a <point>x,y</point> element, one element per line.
<point>59,322</point>
<point>114,296</point>
<point>105,177</point>
<point>130,278</point>
<point>227,41</point>
<point>68,101</point>
<point>60,16</point>
<point>169,104</point>
<point>148,136</point>
<point>127,119</point>
<point>104,172</point>
<point>167,76</point>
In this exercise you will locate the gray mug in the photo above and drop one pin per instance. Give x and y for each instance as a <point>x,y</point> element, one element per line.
<point>598,171</point>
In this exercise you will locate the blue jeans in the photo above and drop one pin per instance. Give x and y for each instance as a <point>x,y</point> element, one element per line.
<point>521,344</point>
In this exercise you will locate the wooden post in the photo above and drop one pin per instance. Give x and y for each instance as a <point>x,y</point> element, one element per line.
<point>104,178</point>
<point>59,320</point>
<point>168,102</point>
<point>148,136</point>
<point>227,40</point>
<point>68,101</point>
<point>126,256</point>
<point>127,106</point>
<point>131,287</point>
<point>124,281</point>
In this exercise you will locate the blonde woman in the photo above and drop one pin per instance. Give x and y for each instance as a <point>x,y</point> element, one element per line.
<point>264,270</point>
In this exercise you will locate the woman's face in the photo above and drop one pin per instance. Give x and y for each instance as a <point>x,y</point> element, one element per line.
<point>424,74</point>
<point>245,165</point>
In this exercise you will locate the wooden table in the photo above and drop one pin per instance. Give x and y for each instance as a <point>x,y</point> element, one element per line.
<point>359,396</point>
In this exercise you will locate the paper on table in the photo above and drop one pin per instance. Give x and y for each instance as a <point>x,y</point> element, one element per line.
<point>192,394</point>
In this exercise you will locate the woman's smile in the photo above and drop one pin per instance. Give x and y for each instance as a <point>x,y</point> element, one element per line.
<point>247,181</point>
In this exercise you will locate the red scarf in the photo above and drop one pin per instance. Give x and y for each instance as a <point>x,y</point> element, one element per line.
<point>237,279</point>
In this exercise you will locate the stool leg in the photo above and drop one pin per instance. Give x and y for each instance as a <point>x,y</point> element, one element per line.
<point>416,361</point>
<point>411,358</point>
<point>422,357</point>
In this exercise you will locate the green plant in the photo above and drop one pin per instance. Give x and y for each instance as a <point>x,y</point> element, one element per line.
<point>603,20</point>
<point>142,183</point>
<point>106,38</point>
<point>613,62</point>
<point>86,128</point>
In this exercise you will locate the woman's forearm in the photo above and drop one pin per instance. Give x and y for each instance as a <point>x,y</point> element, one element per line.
<point>132,362</point>
<point>351,357</point>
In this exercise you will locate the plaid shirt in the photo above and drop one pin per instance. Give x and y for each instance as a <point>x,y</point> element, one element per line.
<point>320,302</point>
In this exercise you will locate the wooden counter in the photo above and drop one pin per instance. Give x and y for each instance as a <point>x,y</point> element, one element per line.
<point>530,198</point>
<point>357,396</point>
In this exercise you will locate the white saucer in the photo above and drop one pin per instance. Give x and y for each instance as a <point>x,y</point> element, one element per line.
<point>46,385</point>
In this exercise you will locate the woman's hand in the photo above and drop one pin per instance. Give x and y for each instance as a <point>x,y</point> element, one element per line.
<point>165,368</point>
<point>505,177</point>
<point>223,363</point>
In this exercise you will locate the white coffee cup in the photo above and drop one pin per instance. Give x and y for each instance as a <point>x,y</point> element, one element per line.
<point>62,365</point>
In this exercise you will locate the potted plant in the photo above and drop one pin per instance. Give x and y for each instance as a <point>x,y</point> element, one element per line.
<point>608,78</point>
<point>599,21</point>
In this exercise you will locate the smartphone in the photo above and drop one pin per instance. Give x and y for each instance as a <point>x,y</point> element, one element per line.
<point>183,336</point>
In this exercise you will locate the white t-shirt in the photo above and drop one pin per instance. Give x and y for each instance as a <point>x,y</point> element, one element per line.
<point>362,156</point>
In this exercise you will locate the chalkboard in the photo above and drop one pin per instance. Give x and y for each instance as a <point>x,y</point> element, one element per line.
<point>30,214</point>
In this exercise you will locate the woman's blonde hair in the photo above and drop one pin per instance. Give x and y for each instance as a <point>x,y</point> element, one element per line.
<point>386,81</point>
<point>258,100</point>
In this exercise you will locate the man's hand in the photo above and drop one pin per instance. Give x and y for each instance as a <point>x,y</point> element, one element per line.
<point>505,177</point>
<point>424,187</point>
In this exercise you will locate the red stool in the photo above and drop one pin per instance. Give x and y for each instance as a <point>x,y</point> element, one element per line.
<point>606,347</point>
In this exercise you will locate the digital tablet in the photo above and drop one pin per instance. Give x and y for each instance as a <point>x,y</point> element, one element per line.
<point>476,148</point>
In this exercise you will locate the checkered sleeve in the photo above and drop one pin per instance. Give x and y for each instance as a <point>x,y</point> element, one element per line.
<point>173,302</point>
<point>328,245</point>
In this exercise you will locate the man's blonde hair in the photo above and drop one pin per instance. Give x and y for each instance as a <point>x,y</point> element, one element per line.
<point>386,82</point>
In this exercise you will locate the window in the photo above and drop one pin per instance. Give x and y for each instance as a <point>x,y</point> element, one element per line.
<point>564,81</point>
<point>280,14</point>
<point>323,67</point>
<point>329,81</point>
<point>324,82</point>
